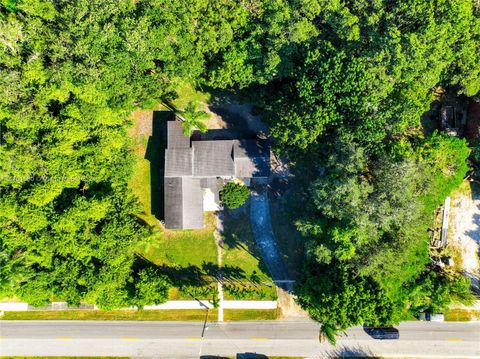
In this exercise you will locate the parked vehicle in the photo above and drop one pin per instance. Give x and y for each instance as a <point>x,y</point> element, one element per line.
<point>382,332</point>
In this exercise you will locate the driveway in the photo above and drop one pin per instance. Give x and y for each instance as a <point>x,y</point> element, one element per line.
<point>263,232</point>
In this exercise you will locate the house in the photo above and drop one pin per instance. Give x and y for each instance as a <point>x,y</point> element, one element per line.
<point>194,170</point>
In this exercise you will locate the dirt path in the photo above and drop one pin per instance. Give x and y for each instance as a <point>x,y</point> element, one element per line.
<point>465,227</point>
<point>290,309</point>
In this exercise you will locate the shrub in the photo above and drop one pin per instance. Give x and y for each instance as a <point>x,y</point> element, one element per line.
<point>233,195</point>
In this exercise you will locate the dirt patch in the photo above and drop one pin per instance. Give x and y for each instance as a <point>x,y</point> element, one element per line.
<point>142,124</point>
<point>289,308</point>
<point>465,229</point>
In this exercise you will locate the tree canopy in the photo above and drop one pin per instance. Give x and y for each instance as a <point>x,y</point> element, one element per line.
<point>342,84</point>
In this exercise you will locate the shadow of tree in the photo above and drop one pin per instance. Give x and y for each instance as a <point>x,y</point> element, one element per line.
<point>237,233</point>
<point>155,154</point>
<point>194,276</point>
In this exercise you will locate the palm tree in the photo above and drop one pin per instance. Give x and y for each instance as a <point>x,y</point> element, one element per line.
<point>193,119</point>
<point>328,332</point>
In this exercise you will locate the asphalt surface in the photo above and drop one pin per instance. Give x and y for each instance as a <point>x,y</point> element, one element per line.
<point>263,233</point>
<point>183,339</point>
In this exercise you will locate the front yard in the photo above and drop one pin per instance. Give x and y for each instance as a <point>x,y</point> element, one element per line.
<point>245,274</point>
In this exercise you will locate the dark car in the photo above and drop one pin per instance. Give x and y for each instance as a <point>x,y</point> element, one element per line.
<point>382,332</point>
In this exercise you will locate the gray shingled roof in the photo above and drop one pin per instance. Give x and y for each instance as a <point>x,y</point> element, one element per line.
<point>193,165</point>
<point>213,158</point>
<point>192,203</point>
<point>183,203</point>
<point>175,137</point>
<point>250,148</point>
<point>251,158</point>
<point>178,162</point>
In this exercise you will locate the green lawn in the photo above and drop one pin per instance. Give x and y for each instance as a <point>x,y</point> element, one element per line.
<point>183,247</point>
<point>243,269</point>
<point>164,315</point>
<point>250,314</point>
<point>189,257</point>
<point>148,144</point>
<point>461,315</point>
<point>186,93</point>
<point>167,315</point>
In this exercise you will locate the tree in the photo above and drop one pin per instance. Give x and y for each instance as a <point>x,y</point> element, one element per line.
<point>343,85</point>
<point>329,333</point>
<point>151,287</point>
<point>336,297</point>
<point>233,195</point>
<point>192,119</point>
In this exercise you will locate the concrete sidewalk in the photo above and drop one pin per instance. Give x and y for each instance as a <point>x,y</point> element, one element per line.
<point>171,304</point>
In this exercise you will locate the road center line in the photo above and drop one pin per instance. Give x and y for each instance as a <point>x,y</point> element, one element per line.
<point>63,338</point>
<point>129,338</point>
<point>454,339</point>
<point>194,338</point>
<point>258,338</point>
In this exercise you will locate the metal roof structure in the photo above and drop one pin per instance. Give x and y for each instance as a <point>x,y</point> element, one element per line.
<point>192,165</point>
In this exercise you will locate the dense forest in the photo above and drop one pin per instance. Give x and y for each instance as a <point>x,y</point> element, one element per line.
<point>342,85</point>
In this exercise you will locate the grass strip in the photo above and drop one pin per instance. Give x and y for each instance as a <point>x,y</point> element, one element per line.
<point>164,314</point>
<point>251,314</point>
<point>461,315</point>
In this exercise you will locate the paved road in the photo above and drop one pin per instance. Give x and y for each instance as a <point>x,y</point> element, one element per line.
<point>182,339</point>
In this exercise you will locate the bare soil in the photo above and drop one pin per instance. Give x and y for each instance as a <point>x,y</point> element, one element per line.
<point>465,230</point>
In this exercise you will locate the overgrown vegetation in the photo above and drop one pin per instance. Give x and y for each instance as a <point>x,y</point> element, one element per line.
<point>342,85</point>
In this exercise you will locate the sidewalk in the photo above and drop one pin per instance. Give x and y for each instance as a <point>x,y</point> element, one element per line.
<point>171,304</point>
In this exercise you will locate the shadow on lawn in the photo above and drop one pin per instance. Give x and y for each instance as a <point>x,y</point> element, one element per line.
<point>237,233</point>
<point>155,153</point>
<point>195,276</point>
